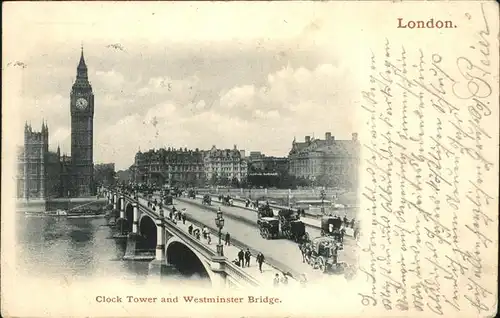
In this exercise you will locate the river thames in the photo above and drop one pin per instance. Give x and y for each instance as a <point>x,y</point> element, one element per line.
<point>58,247</point>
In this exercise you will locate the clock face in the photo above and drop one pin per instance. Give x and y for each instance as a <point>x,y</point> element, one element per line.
<point>81,103</point>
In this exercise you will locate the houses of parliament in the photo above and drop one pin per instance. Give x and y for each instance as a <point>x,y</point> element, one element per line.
<point>43,174</point>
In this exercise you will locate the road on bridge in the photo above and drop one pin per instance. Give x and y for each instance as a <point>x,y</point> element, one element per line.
<point>251,216</point>
<point>239,211</point>
<point>282,250</point>
<point>265,278</point>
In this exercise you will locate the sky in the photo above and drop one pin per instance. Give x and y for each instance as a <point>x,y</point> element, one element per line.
<point>188,76</point>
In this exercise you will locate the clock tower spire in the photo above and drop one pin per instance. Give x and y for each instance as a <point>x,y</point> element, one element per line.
<point>82,131</point>
<point>82,67</point>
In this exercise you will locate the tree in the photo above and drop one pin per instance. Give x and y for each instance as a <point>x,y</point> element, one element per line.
<point>235,182</point>
<point>224,181</point>
<point>286,181</point>
<point>214,179</point>
<point>244,183</point>
<point>324,180</point>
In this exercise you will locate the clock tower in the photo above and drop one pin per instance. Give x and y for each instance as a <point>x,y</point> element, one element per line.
<point>82,131</point>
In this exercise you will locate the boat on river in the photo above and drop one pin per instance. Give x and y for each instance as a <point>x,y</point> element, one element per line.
<point>82,214</point>
<point>79,212</point>
<point>85,214</point>
<point>56,213</point>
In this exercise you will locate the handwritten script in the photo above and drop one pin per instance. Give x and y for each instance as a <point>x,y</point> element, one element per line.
<point>429,192</point>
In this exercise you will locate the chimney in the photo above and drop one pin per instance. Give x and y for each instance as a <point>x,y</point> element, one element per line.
<point>354,136</point>
<point>328,135</point>
<point>308,139</point>
<point>242,153</point>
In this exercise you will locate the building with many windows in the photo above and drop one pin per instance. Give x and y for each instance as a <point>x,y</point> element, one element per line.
<point>177,167</point>
<point>183,167</point>
<point>225,164</point>
<point>258,162</point>
<point>328,162</point>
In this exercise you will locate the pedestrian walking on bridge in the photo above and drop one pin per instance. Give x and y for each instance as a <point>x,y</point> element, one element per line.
<point>260,260</point>
<point>284,279</point>
<point>276,280</point>
<point>241,254</point>
<point>228,239</point>
<point>247,257</point>
<point>183,215</point>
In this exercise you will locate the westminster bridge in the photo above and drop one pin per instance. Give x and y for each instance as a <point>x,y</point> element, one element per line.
<point>177,250</point>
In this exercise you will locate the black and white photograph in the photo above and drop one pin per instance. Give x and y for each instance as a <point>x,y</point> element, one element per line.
<point>213,159</point>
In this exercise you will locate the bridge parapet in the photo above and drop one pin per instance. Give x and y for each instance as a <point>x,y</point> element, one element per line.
<point>243,200</point>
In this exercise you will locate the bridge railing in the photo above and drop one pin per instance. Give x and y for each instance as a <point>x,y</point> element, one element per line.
<point>201,248</point>
<point>242,200</point>
<point>272,193</point>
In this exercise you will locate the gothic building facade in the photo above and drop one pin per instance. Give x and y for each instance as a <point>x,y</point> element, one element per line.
<point>38,169</point>
<point>43,174</point>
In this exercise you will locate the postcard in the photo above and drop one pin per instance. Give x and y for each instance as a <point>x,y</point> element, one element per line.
<point>250,159</point>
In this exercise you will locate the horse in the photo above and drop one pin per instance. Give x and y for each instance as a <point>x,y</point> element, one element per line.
<point>304,250</point>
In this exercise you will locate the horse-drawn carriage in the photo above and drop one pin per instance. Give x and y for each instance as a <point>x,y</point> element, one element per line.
<point>286,224</point>
<point>331,226</point>
<point>168,199</point>
<point>324,253</point>
<point>226,200</point>
<point>291,226</point>
<point>269,227</point>
<point>191,194</point>
<point>207,199</point>
<point>265,211</point>
<point>175,192</point>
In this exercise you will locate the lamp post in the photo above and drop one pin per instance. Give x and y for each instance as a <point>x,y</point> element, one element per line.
<point>323,197</point>
<point>219,222</point>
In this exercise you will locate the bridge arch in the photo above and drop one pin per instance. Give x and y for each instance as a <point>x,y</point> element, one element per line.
<point>148,230</point>
<point>187,261</point>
